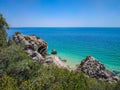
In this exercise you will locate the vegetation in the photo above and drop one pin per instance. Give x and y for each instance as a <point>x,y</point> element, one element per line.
<point>27,38</point>
<point>17,33</point>
<point>19,72</point>
<point>3,34</point>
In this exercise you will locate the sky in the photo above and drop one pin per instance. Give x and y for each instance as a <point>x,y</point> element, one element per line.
<point>61,13</point>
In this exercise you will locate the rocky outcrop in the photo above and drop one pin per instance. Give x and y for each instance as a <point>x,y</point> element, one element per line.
<point>34,46</point>
<point>32,42</point>
<point>93,68</point>
<point>37,49</point>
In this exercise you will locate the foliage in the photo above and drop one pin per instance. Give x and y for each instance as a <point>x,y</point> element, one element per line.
<point>27,38</point>
<point>7,83</point>
<point>17,33</point>
<point>19,71</point>
<point>117,87</point>
<point>3,27</point>
<point>30,75</point>
<point>99,85</point>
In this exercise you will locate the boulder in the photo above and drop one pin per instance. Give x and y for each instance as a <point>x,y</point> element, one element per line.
<point>33,46</point>
<point>93,68</point>
<point>31,42</point>
<point>54,52</point>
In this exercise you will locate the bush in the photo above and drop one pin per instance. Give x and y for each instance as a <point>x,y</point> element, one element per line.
<point>27,38</point>
<point>117,87</point>
<point>23,73</point>
<point>17,33</point>
<point>8,83</point>
<point>3,34</point>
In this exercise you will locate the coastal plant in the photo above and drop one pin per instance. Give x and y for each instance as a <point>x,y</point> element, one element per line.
<point>8,83</point>
<point>3,34</point>
<point>27,38</point>
<point>29,75</point>
<point>26,85</point>
<point>117,87</point>
<point>17,33</point>
<point>9,41</point>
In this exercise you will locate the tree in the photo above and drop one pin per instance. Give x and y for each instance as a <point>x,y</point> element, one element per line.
<point>3,34</point>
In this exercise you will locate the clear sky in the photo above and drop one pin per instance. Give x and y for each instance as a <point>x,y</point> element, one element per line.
<point>61,13</point>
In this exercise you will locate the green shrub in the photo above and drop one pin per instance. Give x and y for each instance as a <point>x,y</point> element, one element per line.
<point>8,83</point>
<point>27,38</point>
<point>32,76</point>
<point>3,34</point>
<point>99,85</point>
<point>17,33</point>
<point>117,87</point>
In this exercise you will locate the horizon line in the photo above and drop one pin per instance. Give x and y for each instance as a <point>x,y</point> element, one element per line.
<point>59,27</point>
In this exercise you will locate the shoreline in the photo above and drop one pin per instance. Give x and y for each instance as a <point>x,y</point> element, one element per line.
<point>73,63</point>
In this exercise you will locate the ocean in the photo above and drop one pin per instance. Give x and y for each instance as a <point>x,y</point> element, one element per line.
<point>74,44</point>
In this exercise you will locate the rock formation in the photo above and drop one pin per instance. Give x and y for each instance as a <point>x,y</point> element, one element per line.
<point>34,46</point>
<point>37,49</point>
<point>93,68</point>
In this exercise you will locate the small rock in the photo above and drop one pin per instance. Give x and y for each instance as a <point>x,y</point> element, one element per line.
<point>54,52</point>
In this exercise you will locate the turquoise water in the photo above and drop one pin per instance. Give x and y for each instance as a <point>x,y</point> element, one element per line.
<point>74,44</point>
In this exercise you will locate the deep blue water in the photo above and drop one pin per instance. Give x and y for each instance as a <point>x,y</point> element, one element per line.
<point>74,44</point>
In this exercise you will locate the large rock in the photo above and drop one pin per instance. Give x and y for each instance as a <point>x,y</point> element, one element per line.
<point>37,48</point>
<point>31,42</point>
<point>34,46</point>
<point>93,68</point>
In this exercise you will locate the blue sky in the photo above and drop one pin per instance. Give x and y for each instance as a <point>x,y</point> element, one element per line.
<point>61,13</point>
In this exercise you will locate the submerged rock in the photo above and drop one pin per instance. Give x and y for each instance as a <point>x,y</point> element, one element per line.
<point>93,68</point>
